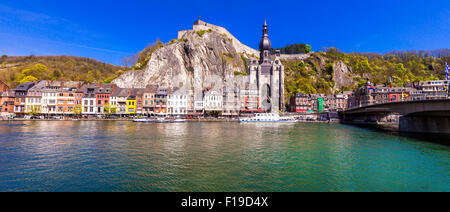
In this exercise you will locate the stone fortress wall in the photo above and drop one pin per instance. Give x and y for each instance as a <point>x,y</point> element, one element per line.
<point>201,25</point>
<point>294,56</point>
<point>240,47</point>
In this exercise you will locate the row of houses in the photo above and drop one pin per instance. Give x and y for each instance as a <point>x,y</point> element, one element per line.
<point>368,94</point>
<point>55,98</point>
<point>318,103</point>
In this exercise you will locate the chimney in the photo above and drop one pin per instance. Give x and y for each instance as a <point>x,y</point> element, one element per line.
<point>99,85</point>
<point>61,85</point>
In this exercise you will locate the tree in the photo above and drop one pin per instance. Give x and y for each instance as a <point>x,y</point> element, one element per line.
<point>28,79</point>
<point>131,60</point>
<point>56,74</point>
<point>38,70</point>
<point>109,109</point>
<point>78,110</point>
<point>34,110</point>
<point>307,48</point>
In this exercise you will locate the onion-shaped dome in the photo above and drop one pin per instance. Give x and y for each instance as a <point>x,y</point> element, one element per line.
<point>265,43</point>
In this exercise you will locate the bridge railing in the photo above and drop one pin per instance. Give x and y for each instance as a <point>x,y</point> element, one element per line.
<point>422,98</point>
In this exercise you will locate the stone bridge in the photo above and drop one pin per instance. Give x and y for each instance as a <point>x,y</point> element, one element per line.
<point>426,116</point>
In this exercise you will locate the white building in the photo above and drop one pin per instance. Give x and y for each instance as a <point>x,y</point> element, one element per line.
<point>34,98</point>
<point>49,97</point>
<point>89,105</point>
<point>434,89</point>
<point>177,102</point>
<point>212,100</point>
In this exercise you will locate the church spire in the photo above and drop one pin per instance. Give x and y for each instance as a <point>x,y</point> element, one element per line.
<point>265,45</point>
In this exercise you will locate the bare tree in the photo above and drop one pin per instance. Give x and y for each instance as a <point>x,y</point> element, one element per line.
<point>130,60</point>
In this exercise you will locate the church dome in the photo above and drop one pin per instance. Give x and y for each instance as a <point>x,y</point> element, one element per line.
<point>265,43</point>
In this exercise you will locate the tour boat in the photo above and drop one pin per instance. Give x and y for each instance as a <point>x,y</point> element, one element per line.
<point>268,117</point>
<point>143,120</point>
<point>287,119</point>
<point>178,120</point>
<point>162,120</point>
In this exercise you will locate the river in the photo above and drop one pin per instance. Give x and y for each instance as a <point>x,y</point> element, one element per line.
<point>217,156</point>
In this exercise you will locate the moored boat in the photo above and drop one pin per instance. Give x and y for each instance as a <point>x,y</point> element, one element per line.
<point>162,120</point>
<point>143,120</point>
<point>179,120</point>
<point>268,117</point>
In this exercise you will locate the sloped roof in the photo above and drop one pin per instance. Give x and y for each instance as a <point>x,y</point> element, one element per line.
<point>151,88</point>
<point>120,92</point>
<point>25,86</point>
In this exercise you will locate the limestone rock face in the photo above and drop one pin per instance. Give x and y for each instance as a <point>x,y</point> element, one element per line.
<point>192,61</point>
<point>341,75</point>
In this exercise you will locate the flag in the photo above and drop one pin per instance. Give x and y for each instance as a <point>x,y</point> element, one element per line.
<point>446,70</point>
<point>370,87</point>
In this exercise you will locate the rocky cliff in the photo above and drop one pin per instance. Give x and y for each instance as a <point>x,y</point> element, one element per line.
<point>342,75</point>
<point>190,60</point>
<point>201,55</point>
<point>208,54</point>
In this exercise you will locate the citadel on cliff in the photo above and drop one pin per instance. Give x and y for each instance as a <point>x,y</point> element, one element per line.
<point>208,57</point>
<point>263,87</point>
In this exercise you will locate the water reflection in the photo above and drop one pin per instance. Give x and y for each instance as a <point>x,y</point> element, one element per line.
<point>127,156</point>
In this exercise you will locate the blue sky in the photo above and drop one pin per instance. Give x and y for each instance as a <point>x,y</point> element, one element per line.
<point>111,30</point>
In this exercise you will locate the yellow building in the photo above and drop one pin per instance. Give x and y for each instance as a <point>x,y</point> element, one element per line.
<point>131,105</point>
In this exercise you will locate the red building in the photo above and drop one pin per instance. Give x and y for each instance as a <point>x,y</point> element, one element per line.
<point>3,87</point>
<point>6,98</point>
<point>103,95</point>
<point>139,93</point>
<point>300,102</point>
<point>7,101</point>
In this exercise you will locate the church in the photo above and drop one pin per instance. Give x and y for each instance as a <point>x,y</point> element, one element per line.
<point>266,76</point>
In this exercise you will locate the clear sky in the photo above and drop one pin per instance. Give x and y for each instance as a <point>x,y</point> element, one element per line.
<point>111,30</point>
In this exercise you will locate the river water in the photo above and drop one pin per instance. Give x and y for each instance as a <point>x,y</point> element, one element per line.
<point>218,156</point>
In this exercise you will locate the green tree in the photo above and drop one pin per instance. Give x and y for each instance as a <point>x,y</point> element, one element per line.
<point>56,74</point>
<point>307,48</point>
<point>34,110</point>
<point>28,79</point>
<point>109,109</point>
<point>38,70</point>
<point>77,110</point>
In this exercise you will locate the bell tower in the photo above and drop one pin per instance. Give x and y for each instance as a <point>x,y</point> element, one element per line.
<point>267,76</point>
<point>265,46</point>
